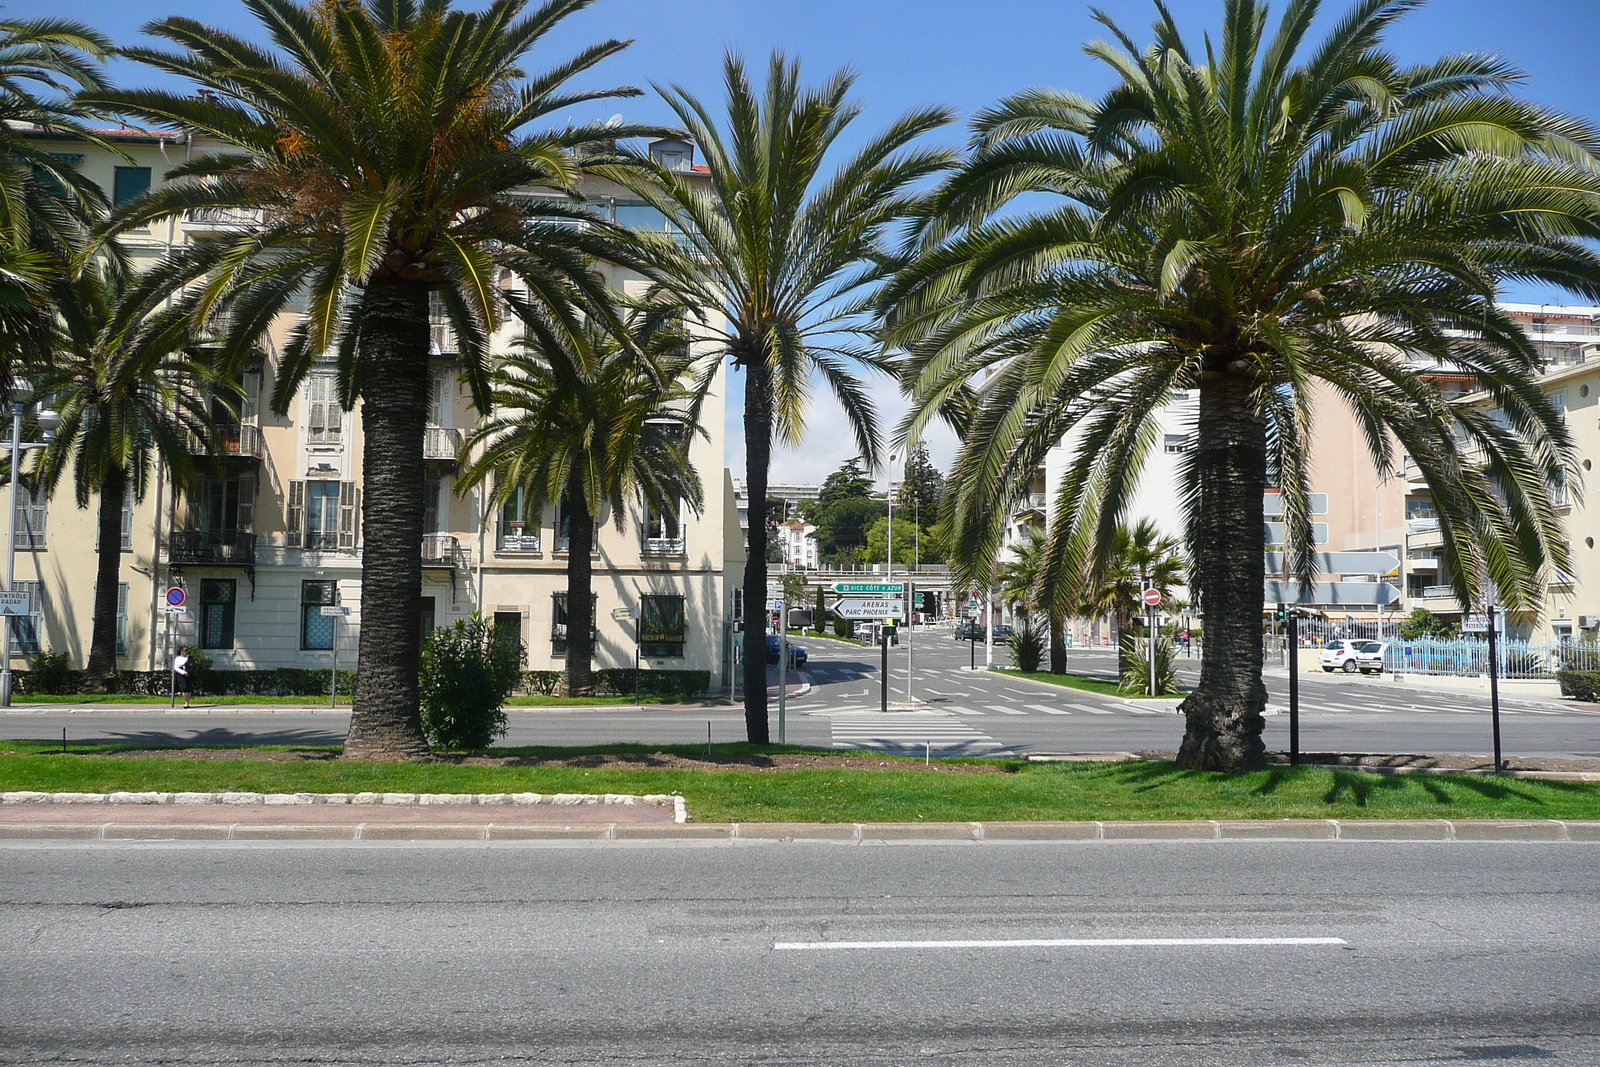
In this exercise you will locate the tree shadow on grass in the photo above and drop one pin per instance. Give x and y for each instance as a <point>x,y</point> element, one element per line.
<point>1147,775</point>
<point>1358,788</point>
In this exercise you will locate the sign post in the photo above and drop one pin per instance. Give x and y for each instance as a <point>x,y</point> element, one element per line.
<point>1152,597</point>
<point>175,606</point>
<point>883,639</point>
<point>911,637</point>
<point>1293,619</point>
<point>334,612</point>
<point>1494,689</point>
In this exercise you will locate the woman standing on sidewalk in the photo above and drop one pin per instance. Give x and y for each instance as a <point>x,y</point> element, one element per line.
<point>183,669</point>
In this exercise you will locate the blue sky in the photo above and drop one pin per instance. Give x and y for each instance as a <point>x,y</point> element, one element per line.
<point>961,53</point>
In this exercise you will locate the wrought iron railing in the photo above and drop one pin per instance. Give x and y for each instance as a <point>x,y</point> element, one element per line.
<point>516,537</point>
<point>441,550</point>
<point>441,443</point>
<point>221,548</point>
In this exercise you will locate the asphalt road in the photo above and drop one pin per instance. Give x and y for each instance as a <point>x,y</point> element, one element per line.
<point>956,712</point>
<point>645,955</point>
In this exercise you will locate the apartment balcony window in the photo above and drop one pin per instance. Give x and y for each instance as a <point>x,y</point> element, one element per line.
<point>514,531</point>
<point>222,218</point>
<point>1438,592</point>
<point>558,622</point>
<point>231,440</point>
<point>322,515</point>
<point>440,443</point>
<point>662,626</point>
<point>663,531</point>
<point>1176,443</point>
<point>217,548</point>
<point>217,599</point>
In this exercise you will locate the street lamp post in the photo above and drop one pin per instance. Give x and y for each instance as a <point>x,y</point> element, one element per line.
<point>48,421</point>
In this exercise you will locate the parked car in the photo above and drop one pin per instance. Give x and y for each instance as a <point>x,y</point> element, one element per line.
<point>797,655</point>
<point>876,630</point>
<point>1003,634</point>
<point>1352,656</point>
<point>968,630</point>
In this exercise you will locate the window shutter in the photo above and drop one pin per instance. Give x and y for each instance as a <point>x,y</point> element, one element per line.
<point>127,527</point>
<point>250,382</point>
<point>122,618</point>
<point>347,514</point>
<point>247,503</point>
<point>297,496</point>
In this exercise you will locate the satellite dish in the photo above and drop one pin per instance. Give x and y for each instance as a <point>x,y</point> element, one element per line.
<point>613,122</point>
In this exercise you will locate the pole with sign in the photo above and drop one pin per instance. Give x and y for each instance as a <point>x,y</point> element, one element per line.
<point>1152,597</point>
<point>334,613</point>
<point>1293,619</point>
<point>1494,688</point>
<point>174,606</point>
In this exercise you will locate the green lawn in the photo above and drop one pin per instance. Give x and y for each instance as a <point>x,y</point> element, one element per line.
<point>1108,791</point>
<point>1077,681</point>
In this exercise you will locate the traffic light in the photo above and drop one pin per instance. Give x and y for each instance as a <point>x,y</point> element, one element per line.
<point>1279,616</point>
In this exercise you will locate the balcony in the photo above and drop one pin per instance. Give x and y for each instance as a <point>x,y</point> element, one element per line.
<point>211,548</point>
<point>230,442</point>
<point>442,340</point>
<point>515,537</point>
<point>222,219</point>
<point>441,444</point>
<point>442,550</point>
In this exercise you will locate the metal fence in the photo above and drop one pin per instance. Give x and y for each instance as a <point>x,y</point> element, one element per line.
<point>1466,657</point>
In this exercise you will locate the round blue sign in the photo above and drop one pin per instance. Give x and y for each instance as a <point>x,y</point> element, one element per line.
<point>175,597</point>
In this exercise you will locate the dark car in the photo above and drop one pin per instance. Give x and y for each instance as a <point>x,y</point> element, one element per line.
<point>797,655</point>
<point>968,630</point>
<point>1003,635</point>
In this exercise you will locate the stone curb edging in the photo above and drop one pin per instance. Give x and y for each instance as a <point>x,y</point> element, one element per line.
<point>1374,830</point>
<point>680,812</point>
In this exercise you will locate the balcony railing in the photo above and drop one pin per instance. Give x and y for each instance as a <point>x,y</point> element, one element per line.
<point>215,548</point>
<point>1438,592</point>
<point>441,340</point>
<point>512,537</point>
<point>442,550</point>
<point>662,546</point>
<point>243,442</point>
<point>222,218</point>
<point>441,443</point>
<point>1422,526</point>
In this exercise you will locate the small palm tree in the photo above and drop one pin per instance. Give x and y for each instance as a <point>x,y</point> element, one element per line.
<point>1142,557</point>
<point>1020,590</point>
<point>1251,222</point>
<point>382,146</point>
<point>781,250</point>
<point>130,398</point>
<point>590,420</point>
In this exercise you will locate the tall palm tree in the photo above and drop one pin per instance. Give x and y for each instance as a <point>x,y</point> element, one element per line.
<point>590,421</point>
<point>43,199</point>
<point>782,250</point>
<point>386,142</point>
<point>1248,222</point>
<point>130,398</point>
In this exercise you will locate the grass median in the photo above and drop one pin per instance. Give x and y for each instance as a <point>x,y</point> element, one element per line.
<point>747,784</point>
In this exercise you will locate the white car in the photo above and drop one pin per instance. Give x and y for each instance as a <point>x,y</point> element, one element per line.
<point>1353,656</point>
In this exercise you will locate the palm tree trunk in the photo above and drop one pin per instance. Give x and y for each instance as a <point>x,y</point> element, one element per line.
<point>1123,627</point>
<point>580,610</point>
<point>102,665</point>
<point>1058,642</point>
<point>758,454</point>
<point>387,720</point>
<point>1224,713</point>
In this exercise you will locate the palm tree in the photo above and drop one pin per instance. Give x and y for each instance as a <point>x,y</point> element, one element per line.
<point>1142,557</point>
<point>781,250</point>
<point>129,399</point>
<point>382,148</point>
<point>1020,590</point>
<point>589,421</point>
<point>1248,223</point>
<point>43,199</point>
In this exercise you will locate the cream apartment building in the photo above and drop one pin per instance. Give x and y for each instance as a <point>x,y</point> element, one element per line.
<point>272,531</point>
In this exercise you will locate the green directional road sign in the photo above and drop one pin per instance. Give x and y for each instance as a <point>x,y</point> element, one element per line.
<point>872,588</point>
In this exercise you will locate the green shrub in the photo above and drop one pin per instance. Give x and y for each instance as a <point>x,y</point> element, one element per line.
<point>468,670</point>
<point>1027,648</point>
<point>844,627</point>
<point>1136,673</point>
<point>52,673</point>
<point>1580,685</point>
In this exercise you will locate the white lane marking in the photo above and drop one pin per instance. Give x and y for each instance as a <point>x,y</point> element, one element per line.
<point>1002,709</point>
<point>1048,710</point>
<point>1016,692</point>
<point>1068,942</point>
<point>1090,708</point>
<point>965,711</point>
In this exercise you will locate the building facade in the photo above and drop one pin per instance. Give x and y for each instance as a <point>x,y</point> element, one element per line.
<point>271,531</point>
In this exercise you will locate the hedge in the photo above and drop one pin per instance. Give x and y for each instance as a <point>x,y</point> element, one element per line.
<point>1580,685</point>
<point>276,682</point>
<point>619,681</point>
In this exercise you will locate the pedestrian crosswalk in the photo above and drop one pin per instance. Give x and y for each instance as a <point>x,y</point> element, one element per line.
<point>913,733</point>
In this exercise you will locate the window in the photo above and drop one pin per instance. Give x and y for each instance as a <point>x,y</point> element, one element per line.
<point>127,526</point>
<point>508,627</point>
<point>316,629</point>
<point>324,416</point>
<point>217,597</point>
<point>428,612</point>
<point>430,504</point>
<point>439,397</point>
<point>129,182</point>
<point>1176,442</point>
<point>558,622</point>
<point>641,217</point>
<point>25,629</point>
<point>30,516</point>
<point>515,532</point>
<point>322,514</point>
<point>228,504</point>
<point>122,618</point>
<point>663,530</point>
<point>662,626</point>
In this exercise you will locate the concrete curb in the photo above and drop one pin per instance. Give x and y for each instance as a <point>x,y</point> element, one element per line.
<point>1210,830</point>
<point>27,796</point>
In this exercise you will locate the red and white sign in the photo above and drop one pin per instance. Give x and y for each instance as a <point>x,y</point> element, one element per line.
<point>1152,597</point>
